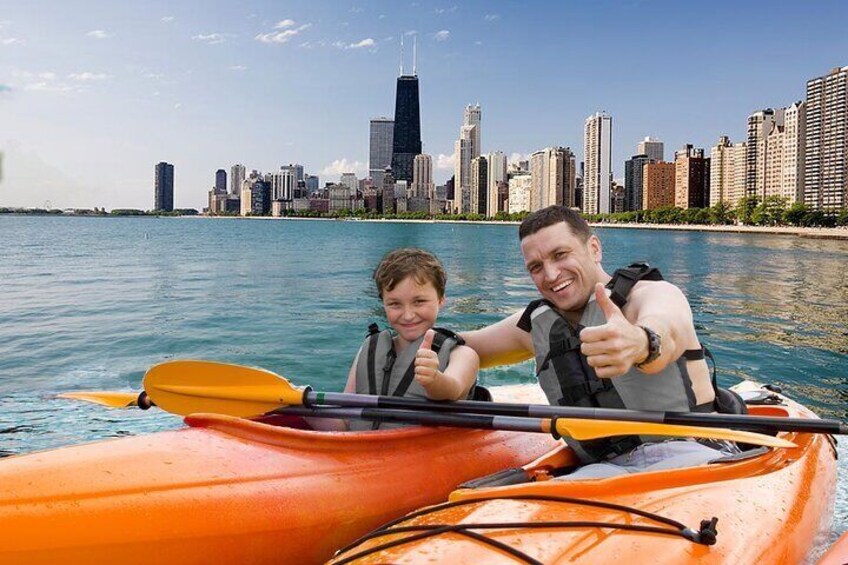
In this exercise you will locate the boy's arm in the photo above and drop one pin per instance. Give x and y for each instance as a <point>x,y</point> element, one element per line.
<point>456,380</point>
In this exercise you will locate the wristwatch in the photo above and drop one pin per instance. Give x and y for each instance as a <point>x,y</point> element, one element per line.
<point>654,347</point>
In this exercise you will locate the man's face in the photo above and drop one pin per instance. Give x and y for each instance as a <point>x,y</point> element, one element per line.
<point>564,268</point>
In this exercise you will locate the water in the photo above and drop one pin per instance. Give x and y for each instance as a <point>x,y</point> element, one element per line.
<point>91,303</point>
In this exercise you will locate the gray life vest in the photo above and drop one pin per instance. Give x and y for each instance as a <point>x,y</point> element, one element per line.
<point>379,370</point>
<point>568,380</point>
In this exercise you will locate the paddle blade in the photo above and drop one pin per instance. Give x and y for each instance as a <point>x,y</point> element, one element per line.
<point>104,398</point>
<point>185,387</point>
<point>594,429</point>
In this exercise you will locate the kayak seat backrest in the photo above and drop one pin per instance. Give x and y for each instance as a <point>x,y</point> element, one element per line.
<point>729,402</point>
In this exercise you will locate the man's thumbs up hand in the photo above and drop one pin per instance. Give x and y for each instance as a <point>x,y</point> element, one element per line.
<point>613,348</point>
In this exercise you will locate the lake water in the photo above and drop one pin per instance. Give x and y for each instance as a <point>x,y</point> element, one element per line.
<point>91,303</point>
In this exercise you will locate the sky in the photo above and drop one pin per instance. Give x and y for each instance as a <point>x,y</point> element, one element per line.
<point>94,94</point>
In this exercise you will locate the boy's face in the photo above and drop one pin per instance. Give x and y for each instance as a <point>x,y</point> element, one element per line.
<point>412,308</point>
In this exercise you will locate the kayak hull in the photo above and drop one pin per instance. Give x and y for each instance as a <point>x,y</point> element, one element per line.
<point>233,490</point>
<point>772,508</point>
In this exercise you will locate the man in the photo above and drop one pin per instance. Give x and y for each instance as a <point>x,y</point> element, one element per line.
<point>642,354</point>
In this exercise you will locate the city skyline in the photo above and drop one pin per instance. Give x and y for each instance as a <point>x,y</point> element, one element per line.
<point>259,84</point>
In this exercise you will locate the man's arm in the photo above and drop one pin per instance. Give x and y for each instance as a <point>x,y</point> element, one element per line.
<point>613,348</point>
<point>502,343</point>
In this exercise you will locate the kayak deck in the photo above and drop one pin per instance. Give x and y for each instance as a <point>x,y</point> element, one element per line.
<point>770,508</point>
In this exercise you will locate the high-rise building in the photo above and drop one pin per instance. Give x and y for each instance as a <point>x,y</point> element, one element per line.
<point>406,136</point>
<point>563,176</point>
<point>497,175</point>
<point>792,171</point>
<point>651,148</point>
<point>467,149</point>
<point>519,193</point>
<point>634,181</point>
<point>380,149</point>
<point>349,180</point>
<point>236,179</point>
<point>658,185</point>
<point>422,177</point>
<point>553,176</point>
<point>692,178</point>
<point>296,170</point>
<point>479,185</point>
<point>539,177</point>
<point>727,172</point>
<point>826,151</point>
<point>220,181</point>
<point>597,181</point>
<point>163,198</point>
<point>312,183</point>
<point>760,124</point>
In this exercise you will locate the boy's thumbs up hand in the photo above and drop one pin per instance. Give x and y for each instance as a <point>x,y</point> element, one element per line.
<point>613,348</point>
<point>426,361</point>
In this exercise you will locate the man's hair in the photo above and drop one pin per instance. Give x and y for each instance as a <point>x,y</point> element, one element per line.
<point>399,264</point>
<point>553,215</point>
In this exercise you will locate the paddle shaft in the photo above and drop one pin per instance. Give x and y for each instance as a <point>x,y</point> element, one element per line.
<point>763,424</point>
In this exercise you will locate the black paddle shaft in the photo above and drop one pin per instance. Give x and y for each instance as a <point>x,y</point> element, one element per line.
<point>762,424</point>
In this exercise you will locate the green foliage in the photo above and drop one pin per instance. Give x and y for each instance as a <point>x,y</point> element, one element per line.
<point>794,215</point>
<point>745,209</point>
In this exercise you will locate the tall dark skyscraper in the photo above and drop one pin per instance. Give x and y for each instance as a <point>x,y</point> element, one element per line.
<point>220,181</point>
<point>406,142</point>
<point>164,189</point>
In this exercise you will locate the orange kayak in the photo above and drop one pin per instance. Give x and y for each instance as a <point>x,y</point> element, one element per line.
<point>770,506</point>
<point>229,490</point>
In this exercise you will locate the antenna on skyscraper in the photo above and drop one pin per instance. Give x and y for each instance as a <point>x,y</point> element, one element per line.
<point>415,55</point>
<point>401,54</point>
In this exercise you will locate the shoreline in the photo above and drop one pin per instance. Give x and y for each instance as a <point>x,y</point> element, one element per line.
<point>838,233</point>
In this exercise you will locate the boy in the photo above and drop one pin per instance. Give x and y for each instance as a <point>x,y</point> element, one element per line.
<point>417,361</point>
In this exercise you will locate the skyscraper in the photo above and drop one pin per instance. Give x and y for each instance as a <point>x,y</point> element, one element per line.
<point>634,182</point>
<point>692,178</point>
<point>652,148</point>
<point>236,179</point>
<point>597,181</point>
<point>826,152</point>
<point>727,172</point>
<point>406,137</point>
<point>164,187</point>
<point>380,149</point>
<point>497,175</point>
<point>479,185</point>
<point>760,125</point>
<point>422,177</point>
<point>467,149</point>
<point>473,116</point>
<point>220,181</point>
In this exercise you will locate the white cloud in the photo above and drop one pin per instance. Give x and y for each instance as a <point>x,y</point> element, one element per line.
<point>442,35</point>
<point>87,76</point>
<point>478,43</point>
<point>284,24</point>
<point>213,38</point>
<point>238,68</point>
<point>282,36</point>
<point>441,11</point>
<point>368,43</point>
<point>178,105</point>
<point>411,33</point>
<point>446,162</point>
<point>100,34</point>
<point>339,166</point>
<point>381,17</point>
<point>167,19</point>
<point>516,157</point>
<point>492,17</point>
<point>10,41</point>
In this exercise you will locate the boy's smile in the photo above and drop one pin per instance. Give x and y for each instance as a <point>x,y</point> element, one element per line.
<point>411,309</point>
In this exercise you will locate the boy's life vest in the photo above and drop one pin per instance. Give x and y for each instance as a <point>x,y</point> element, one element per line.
<point>568,380</point>
<point>382,371</point>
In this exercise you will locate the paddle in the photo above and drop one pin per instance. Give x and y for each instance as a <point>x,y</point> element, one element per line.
<point>183,387</point>
<point>564,427</point>
<point>111,399</point>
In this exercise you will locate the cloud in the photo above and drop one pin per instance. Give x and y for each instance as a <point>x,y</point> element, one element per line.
<point>492,17</point>
<point>442,35</point>
<point>100,34</point>
<point>368,43</point>
<point>87,76</point>
<point>238,68</point>
<point>154,76</point>
<point>284,24</point>
<point>339,166</point>
<point>381,17</point>
<point>167,19</point>
<point>446,162</point>
<point>10,41</point>
<point>213,38</point>
<point>516,157</point>
<point>441,11</point>
<point>411,33</point>
<point>178,105</point>
<point>283,36</point>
